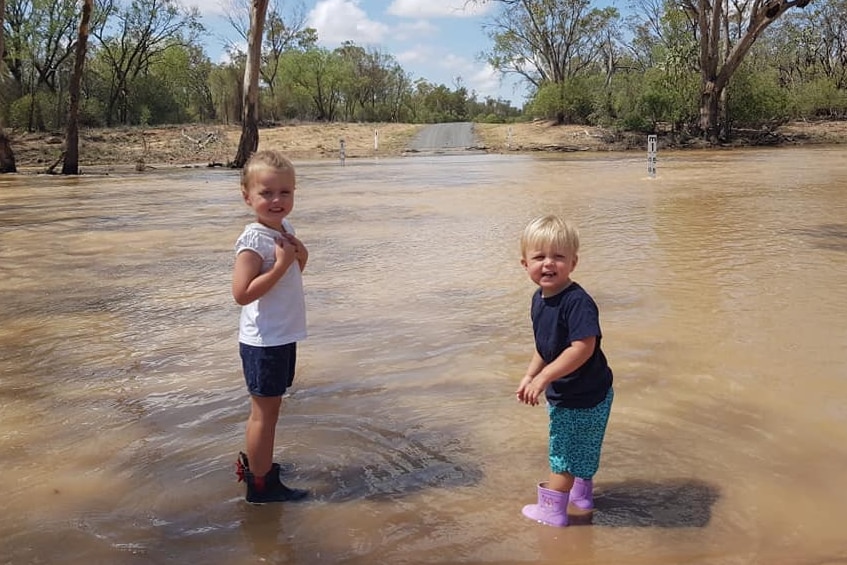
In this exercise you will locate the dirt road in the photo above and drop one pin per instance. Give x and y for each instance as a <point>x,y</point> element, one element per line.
<point>458,136</point>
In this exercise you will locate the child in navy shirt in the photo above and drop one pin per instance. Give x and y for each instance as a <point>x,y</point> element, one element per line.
<point>568,367</point>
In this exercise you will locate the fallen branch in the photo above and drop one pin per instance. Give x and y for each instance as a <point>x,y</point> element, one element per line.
<point>51,170</point>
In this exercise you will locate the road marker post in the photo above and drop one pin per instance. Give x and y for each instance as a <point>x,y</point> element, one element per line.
<point>651,156</point>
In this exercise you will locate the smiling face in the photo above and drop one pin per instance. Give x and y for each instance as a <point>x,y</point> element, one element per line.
<point>270,193</point>
<point>549,267</point>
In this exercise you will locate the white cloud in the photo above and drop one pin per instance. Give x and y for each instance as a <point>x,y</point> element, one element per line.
<point>478,77</point>
<point>460,70</point>
<point>415,56</point>
<point>343,20</point>
<point>486,82</point>
<point>438,8</point>
<point>414,30</point>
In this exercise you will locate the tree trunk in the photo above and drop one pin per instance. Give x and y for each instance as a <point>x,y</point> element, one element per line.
<point>709,108</point>
<point>249,141</point>
<point>715,77</point>
<point>7,156</point>
<point>70,166</point>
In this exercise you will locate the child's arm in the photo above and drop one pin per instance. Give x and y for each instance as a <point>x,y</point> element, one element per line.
<point>571,359</point>
<point>247,282</point>
<point>535,366</point>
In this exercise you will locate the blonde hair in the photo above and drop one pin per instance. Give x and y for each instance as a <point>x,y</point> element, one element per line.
<point>266,159</point>
<point>550,230</point>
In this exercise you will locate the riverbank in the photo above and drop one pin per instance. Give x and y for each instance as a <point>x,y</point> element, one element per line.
<point>138,148</point>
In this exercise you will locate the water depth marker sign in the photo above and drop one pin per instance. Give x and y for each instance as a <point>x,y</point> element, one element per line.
<point>651,156</point>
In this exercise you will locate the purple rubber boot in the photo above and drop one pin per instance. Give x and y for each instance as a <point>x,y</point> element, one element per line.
<point>582,494</point>
<point>552,507</point>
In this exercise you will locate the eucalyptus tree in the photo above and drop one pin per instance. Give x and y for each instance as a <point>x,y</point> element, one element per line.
<point>285,30</point>
<point>283,34</point>
<point>399,95</point>
<point>70,165</point>
<point>355,87</point>
<point>548,43</point>
<point>132,34</point>
<point>182,74</point>
<point>7,156</point>
<point>721,52</point>
<point>808,52</point>
<point>249,141</point>
<point>819,38</point>
<point>317,74</point>
<point>373,80</point>
<point>663,52</point>
<point>830,17</point>
<point>225,89</point>
<point>41,36</point>
<point>40,40</point>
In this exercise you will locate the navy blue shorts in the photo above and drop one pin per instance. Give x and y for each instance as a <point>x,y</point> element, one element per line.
<point>269,371</point>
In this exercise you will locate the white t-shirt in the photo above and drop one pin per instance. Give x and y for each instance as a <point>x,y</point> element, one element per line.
<point>279,316</point>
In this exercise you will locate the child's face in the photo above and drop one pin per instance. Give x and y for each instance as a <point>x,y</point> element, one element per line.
<point>270,193</point>
<point>548,267</point>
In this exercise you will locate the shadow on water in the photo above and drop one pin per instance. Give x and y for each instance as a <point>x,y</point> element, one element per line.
<point>680,503</point>
<point>381,483</point>
<point>401,465</point>
<point>827,236</point>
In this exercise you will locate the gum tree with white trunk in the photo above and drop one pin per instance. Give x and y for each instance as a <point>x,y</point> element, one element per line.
<point>249,141</point>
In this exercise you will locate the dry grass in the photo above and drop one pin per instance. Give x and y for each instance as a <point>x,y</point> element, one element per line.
<point>540,136</point>
<point>198,145</point>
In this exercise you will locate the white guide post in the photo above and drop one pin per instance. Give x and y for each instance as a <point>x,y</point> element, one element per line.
<point>651,156</point>
<point>342,152</point>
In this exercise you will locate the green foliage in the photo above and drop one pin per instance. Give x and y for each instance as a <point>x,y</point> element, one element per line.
<point>146,66</point>
<point>571,102</point>
<point>38,113</point>
<point>669,97</point>
<point>755,98</point>
<point>20,111</point>
<point>818,98</point>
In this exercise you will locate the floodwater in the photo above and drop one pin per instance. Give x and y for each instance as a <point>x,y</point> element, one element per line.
<point>722,285</point>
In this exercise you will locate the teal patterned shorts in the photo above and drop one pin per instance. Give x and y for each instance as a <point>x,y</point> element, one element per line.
<point>576,437</point>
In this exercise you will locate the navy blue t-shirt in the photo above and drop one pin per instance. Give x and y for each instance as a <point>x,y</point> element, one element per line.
<point>559,320</point>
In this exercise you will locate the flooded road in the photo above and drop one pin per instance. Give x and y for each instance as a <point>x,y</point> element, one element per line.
<point>721,286</point>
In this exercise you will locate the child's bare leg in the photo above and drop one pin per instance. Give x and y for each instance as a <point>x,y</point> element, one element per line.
<point>261,432</point>
<point>561,482</point>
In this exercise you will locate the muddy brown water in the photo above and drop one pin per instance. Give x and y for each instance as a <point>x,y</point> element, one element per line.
<point>723,301</point>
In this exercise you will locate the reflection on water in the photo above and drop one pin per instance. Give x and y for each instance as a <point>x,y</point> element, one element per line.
<point>721,287</point>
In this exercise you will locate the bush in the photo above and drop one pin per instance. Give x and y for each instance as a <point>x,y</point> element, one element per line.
<point>755,98</point>
<point>818,98</point>
<point>25,113</point>
<point>573,101</point>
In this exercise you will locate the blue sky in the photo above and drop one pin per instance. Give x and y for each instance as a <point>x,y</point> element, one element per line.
<point>437,40</point>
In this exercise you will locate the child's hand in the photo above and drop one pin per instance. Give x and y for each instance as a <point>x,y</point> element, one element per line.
<point>529,391</point>
<point>299,248</point>
<point>284,248</point>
